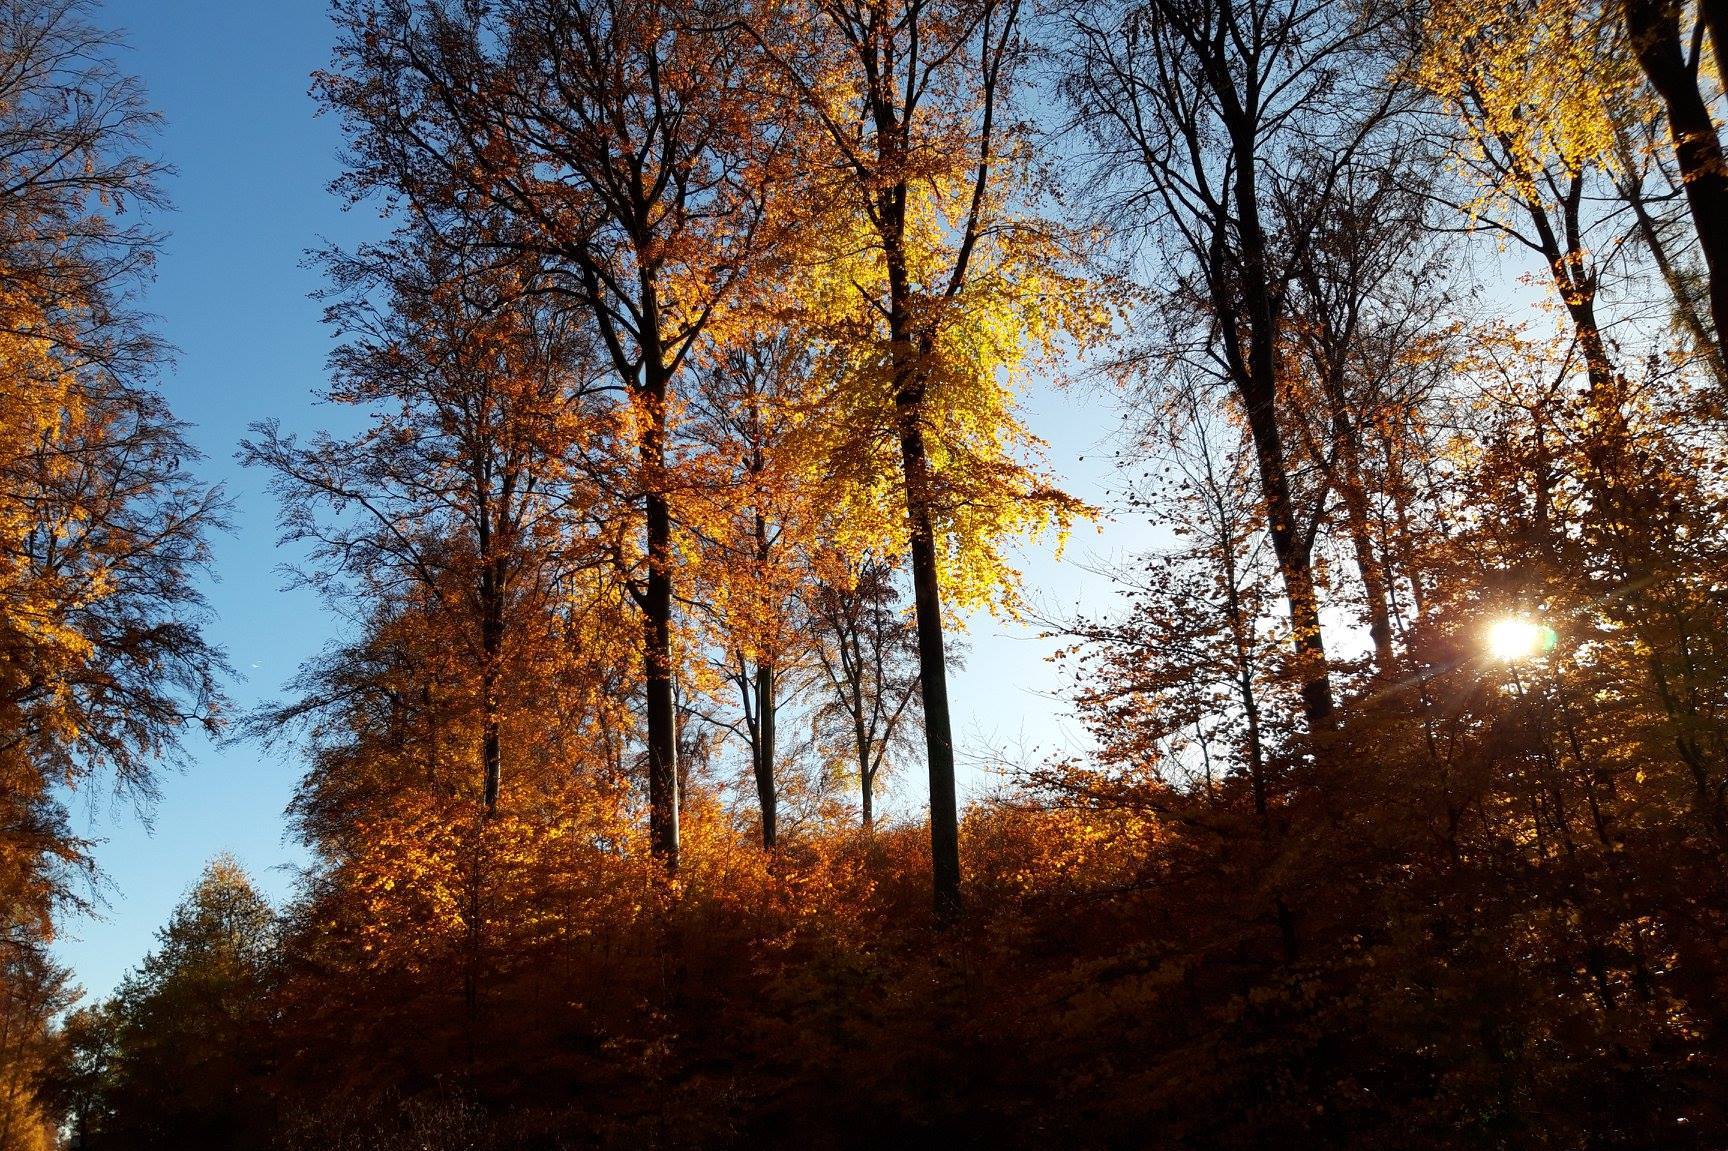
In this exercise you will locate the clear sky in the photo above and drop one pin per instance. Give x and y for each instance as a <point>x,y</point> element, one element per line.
<point>253,161</point>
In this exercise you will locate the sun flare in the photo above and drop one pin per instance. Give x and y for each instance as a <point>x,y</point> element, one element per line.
<point>1513,638</point>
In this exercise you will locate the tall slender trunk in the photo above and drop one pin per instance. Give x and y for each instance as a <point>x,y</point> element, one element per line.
<point>1241,629</point>
<point>494,573</point>
<point>1685,306</point>
<point>763,754</point>
<point>1402,546</point>
<point>908,350</point>
<point>1373,577</point>
<point>656,599</point>
<point>1353,487</point>
<point>8,1105</point>
<point>866,767</point>
<point>491,645</point>
<point>927,601</point>
<point>933,675</point>
<point>1654,26</point>
<point>657,639</point>
<point>649,381</point>
<point>491,754</point>
<point>767,706</point>
<point>1256,381</point>
<point>662,719</point>
<point>1295,561</point>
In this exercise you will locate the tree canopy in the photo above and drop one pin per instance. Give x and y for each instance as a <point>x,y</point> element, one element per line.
<point>691,432</point>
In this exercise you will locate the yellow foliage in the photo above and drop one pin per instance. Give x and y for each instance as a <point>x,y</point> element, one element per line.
<point>1532,82</point>
<point>1019,309</point>
<point>41,411</point>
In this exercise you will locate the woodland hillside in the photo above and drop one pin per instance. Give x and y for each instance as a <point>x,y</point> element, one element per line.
<point>683,425</point>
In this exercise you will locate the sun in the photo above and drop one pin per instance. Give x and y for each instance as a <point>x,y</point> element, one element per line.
<point>1513,638</point>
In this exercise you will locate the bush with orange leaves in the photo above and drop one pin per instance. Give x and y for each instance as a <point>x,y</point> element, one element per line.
<point>542,964</point>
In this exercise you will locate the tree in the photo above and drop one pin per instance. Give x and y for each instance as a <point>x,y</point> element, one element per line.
<point>867,650</point>
<point>459,490</point>
<point>1176,689</point>
<point>103,529</point>
<point>33,990</point>
<point>77,1081</point>
<point>103,664</point>
<point>186,1057</point>
<point>754,513</point>
<point>1648,188</point>
<point>616,145</point>
<point>935,280</point>
<point>456,524</point>
<point>1534,147</point>
<point>1472,895</point>
<point>1555,94</point>
<point>1207,117</point>
<point>1369,339</point>
<point>74,132</point>
<point>1670,60</point>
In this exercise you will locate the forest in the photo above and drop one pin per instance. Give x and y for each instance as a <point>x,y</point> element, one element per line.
<point>678,425</point>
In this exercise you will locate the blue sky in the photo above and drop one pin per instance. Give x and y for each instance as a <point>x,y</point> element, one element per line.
<point>250,196</point>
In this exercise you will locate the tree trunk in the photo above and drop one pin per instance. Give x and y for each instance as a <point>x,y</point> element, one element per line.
<point>1368,565</point>
<point>491,756</point>
<point>493,576</point>
<point>1685,306</point>
<point>657,640</point>
<point>1295,563</point>
<point>767,707</point>
<point>1374,590</point>
<point>1256,382</point>
<point>1354,490</point>
<point>908,351</point>
<point>662,720</point>
<point>491,643</point>
<point>1654,26</point>
<point>763,754</point>
<point>866,772</point>
<point>1241,630</point>
<point>1576,281</point>
<point>933,675</point>
<point>656,600</point>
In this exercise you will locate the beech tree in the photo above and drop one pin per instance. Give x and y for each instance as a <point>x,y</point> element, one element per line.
<point>103,661</point>
<point>867,650</point>
<point>755,514</point>
<point>611,143</point>
<point>1207,118</point>
<point>1536,149</point>
<point>459,487</point>
<point>453,520</point>
<point>1649,188</point>
<point>1560,98</point>
<point>1180,687</point>
<point>935,283</point>
<point>1370,338</point>
<point>1671,58</point>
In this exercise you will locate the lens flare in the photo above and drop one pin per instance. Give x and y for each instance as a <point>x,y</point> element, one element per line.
<point>1512,639</point>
